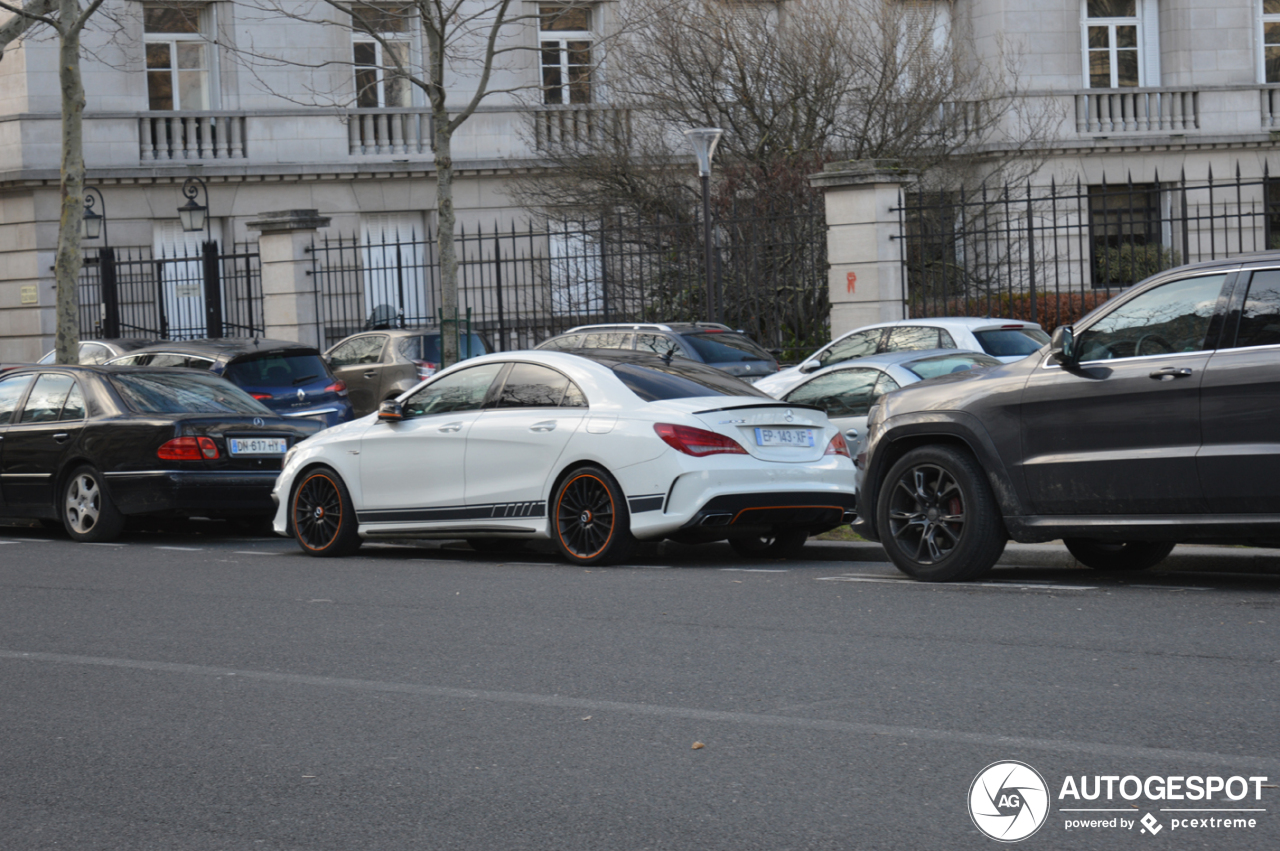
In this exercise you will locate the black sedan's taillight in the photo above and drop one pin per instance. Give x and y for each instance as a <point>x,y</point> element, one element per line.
<point>188,449</point>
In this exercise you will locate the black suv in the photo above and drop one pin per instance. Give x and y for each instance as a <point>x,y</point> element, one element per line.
<point>1150,422</point>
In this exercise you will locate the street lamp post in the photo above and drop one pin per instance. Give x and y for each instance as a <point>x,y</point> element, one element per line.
<point>704,140</point>
<point>194,218</point>
<point>93,225</point>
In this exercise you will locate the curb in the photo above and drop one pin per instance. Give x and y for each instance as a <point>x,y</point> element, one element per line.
<point>1185,557</point>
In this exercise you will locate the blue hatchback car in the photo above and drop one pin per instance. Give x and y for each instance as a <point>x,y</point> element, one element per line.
<point>291,379</point>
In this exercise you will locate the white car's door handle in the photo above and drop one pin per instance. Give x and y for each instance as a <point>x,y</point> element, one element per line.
<point>451,427</point>
<point>545,425</point>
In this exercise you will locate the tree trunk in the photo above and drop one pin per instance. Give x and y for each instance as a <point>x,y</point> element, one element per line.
<point>444,239</point>
<point>69,258</point>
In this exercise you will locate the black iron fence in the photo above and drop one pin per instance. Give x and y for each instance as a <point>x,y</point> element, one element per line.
<point>522,284</point>
<point>130,292</point>
<point>1051,254</point>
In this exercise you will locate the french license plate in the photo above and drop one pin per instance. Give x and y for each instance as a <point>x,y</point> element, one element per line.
<point>797,437</point>
<point>257,445</point>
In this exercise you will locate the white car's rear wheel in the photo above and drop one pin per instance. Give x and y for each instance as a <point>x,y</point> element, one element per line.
<point>590,519</point>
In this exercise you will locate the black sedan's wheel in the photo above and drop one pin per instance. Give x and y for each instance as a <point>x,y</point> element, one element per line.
<point>939,521</point>
<point>324,520</point>
<point>1118,555</point>
<point>780,544</point>
<point>87,512</point>
<point>590,518</point>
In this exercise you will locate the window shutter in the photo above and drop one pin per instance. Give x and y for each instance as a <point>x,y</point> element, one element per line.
<point>1151,43</point>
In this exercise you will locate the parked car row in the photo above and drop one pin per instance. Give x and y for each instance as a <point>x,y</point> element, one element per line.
<point>604,436</point>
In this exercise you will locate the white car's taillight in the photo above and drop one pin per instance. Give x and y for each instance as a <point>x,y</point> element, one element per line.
<point>697,441</point>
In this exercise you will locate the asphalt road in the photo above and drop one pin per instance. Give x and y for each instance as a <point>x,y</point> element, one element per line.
<point>196,690</point>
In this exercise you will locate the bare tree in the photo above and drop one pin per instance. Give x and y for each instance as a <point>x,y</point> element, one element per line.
<point>464,44</point>
<point>67,19</point>
<point>793,85</point>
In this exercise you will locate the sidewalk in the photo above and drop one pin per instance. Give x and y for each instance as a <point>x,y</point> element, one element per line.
<point>1185,557</point>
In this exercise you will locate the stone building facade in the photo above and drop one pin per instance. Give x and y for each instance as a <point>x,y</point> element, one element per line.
<point>1134,87</point>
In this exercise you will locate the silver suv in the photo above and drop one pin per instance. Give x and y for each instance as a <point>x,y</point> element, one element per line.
<point>705,342</point>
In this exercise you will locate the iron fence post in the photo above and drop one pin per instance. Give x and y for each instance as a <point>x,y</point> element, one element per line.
<point>212,290</point>
<point>110,294</point>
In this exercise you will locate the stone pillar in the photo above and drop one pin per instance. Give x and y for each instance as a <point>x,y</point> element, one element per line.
<point>865,279</point>
<point>288,292</point>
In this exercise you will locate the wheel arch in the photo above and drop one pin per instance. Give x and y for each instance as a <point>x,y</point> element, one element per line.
<point>901,439</point>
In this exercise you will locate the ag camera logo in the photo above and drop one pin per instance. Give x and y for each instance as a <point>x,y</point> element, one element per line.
<point>1008,801</point>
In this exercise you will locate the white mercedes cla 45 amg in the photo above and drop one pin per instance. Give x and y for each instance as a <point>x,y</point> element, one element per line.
<point>593,450</point>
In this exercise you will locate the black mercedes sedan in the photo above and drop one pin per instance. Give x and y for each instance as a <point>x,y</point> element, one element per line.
<point>87,446</point>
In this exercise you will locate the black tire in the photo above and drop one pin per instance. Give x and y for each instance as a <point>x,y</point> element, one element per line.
<point>787,543</point>
<point>938,520</point>
<point>87,512</point>
<point>495,545</point>
<point>1118,555</point>
<point>590,520</point>
<point>323,517</point>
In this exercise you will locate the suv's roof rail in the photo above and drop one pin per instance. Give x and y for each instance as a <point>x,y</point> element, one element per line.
<point>620,326</point>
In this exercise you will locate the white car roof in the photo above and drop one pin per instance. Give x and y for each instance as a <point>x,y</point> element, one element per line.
<point>970,323</point>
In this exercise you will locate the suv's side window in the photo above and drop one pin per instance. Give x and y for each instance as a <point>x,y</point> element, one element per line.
<point>462,391</point>
<point>1173,317</point>
<point>607,340</point>
<point>658,344</point>
<point>913,338</point>
<point>94,353</point>
<point>531,386</point>
<point>856,345</point>
<point>1260,319</point>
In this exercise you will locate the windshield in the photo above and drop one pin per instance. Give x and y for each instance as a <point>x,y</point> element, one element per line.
<point>1008,342</point>
<point>278,371</point>
<point>181,393</point>
<point>947,364</point>
<point>718,347</point>
<point>654,381</point>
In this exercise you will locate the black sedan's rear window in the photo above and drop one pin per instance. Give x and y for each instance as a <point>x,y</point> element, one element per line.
<point>184,393</point>
<point>277,370</point>
<point>654,381</point>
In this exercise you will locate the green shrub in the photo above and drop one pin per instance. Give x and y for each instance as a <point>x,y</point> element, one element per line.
<point>1127,264</point>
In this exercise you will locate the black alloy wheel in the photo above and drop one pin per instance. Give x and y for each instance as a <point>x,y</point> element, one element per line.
<point>324,519</point>
<point>939,519</point>
<point>590,518</point>
<point>87,512</point>
<point>1118,555</point>
<point>785,543</point>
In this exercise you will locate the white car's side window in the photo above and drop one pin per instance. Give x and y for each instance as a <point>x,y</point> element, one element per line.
<point>460,391</point>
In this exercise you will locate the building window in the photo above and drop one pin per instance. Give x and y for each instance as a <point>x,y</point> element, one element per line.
<point>1125,229</point>
<point>565,40</point>
<point>1113,39</point>
<point>378,81</point>
<point>177,57</point>
<point>1270,41</point>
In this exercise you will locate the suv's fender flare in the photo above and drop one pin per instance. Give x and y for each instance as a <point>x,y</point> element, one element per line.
<point>906,432</point>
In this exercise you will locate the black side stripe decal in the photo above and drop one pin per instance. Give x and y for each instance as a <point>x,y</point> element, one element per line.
<point>454,512</point>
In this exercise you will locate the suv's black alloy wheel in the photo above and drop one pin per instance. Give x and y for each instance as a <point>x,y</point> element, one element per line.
<point>938,518</point>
